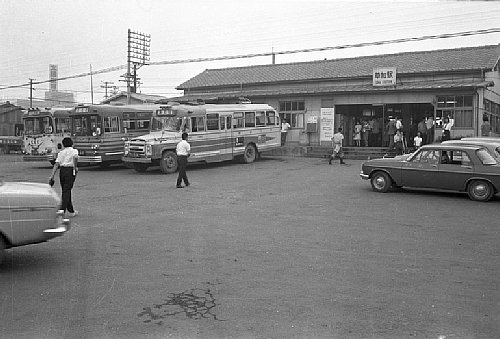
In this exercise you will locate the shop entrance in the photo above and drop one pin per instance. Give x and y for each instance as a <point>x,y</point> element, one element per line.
<point>374,119</point>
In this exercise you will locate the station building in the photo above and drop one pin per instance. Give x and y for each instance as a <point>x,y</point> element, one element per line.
<point>317,97</point>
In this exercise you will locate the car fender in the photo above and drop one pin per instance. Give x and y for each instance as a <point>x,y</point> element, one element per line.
<point>495,188</point>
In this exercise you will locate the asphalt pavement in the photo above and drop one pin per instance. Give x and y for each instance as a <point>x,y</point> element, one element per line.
<point>286,247</point>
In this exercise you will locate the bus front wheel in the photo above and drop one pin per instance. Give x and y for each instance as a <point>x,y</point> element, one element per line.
<point>250,154</point>
<point>168,162</point>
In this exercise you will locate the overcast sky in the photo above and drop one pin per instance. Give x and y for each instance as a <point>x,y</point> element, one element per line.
<point>79,34</point>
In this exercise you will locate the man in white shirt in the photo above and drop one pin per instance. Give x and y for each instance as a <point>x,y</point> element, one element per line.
<point>67,163</point>
<point>183,152</point>
<point>337,140</point>
<point>284,130</point>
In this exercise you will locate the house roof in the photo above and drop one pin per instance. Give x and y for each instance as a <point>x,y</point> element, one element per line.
<point>145,98</point>
<point>469,58</point>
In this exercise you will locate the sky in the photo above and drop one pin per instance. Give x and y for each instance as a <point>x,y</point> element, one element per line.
<point>84,35</point>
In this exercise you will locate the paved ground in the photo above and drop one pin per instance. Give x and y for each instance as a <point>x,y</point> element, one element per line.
<point>282,248</point>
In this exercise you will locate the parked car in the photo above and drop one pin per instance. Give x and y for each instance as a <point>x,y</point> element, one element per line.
<point>493,146</point>
<point>453,167</point>
<point>29,214</point>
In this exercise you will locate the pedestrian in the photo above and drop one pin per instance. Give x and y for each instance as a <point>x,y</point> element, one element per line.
<point>422,128</point>
<point>448,124</point>
<point>485,127</point>
<point>398,142</point>
<point>337,147</point>
<point>417,141</point>
<point>357,133</point>
<point>391,131</point>
<point>183,152</point>
<point>284,130</point>
<point>67,163</point>
<point>429,123</point>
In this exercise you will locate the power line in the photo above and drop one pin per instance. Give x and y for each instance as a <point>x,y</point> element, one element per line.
<point>254,55</point>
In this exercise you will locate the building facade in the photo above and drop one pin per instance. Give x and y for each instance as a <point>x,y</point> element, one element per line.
<point>318,97</point>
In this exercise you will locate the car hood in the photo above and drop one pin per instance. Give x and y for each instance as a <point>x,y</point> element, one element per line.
<point>157,135</point>
<point>396,159</point>
<point>27,192</point>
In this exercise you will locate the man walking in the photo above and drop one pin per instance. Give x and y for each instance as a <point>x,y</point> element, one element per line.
<point>183,152</point>
<point>337,147</point>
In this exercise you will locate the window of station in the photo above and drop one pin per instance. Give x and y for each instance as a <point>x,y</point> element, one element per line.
<point>458,108</point>
<point>293,112</point>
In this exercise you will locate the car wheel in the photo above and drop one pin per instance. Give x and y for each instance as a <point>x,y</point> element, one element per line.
<point>168,162</point>
<point>250,154</point>
<point>480,190</point>
<point>381,182</point>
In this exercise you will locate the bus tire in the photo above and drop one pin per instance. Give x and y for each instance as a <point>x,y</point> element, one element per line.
<point>168,162</point>
<point>250,154</point>
<point>141,168</point>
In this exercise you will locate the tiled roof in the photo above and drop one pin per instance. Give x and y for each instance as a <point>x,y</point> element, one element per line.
<point>469,58</point>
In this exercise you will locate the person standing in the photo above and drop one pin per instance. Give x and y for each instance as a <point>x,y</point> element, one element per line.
<point>183,152</point>
<point>485,127</point>
<point>284,130</point>
<point>429,123</point>
<point>337,147</point>
<point>417,141</point>
<point>391,131</point>
<point>448,124</point>
<point>422,129</point>
<point>357,133</point>
<point>398,142</point>
<point>67,163</point>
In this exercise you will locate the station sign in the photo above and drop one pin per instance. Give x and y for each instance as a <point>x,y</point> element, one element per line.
<point>384,76</point>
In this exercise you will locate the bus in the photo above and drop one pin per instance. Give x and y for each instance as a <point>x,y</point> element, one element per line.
<point>99,131</point>
<point>217,132</point>
<point>44,130</point>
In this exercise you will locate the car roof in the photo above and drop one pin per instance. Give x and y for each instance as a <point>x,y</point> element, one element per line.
<point>452,146</point>
<point>473,142</point>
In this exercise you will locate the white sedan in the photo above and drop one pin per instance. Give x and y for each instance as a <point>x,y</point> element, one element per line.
<point>29,214</point>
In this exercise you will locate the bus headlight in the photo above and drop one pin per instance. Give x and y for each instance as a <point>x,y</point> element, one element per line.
<point>95,147</point>
<point>126,148</point>
<point>147,150</point>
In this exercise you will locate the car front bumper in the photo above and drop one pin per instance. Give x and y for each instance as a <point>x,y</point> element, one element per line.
<point>364,176</point>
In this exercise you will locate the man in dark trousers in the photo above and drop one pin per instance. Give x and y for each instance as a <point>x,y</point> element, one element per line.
<point>183,152</point>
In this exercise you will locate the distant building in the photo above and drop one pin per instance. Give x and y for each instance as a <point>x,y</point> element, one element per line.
<point>318,97</point>
<point>135,99</point>
<point>11,122</point>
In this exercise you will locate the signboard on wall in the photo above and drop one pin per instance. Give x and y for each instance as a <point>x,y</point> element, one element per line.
<point>384,76</point>
<point>327,126</point>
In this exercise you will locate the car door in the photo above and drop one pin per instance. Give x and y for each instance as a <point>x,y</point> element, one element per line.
<point>421,170</point>
<point>454,169</point>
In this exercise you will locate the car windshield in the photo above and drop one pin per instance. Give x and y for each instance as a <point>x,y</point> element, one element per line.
<point>485,157</point>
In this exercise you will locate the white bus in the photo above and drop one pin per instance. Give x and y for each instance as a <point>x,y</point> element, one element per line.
<point>44,130</point>
<point>217,132</point>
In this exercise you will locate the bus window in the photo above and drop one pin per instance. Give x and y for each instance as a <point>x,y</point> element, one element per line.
<point>111,124</point>
<point>62,125</point>
<point>228,122</point>
<point>271,118</point>
<point>222,123</point>
<point>260,119</point>
<point>249,119</point>
<point>213,122</point>
<point>197,124</point>
<point>238,120</point>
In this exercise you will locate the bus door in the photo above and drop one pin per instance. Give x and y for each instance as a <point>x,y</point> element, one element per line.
<point>227,137</point>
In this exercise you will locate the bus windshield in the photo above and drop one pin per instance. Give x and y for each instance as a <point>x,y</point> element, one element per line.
<point>172,124</point>
<point>38,125</point>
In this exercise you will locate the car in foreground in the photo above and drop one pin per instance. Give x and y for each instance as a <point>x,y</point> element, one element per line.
<point>29,214</point>
<point>452,167</point>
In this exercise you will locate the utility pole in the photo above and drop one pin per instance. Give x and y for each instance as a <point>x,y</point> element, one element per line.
<point>91,86</point>
<point>106,86</point>
<point>137,54</point>
<point>31,93</point>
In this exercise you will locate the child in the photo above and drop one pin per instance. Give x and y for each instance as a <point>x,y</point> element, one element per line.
<point>417,141</point>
